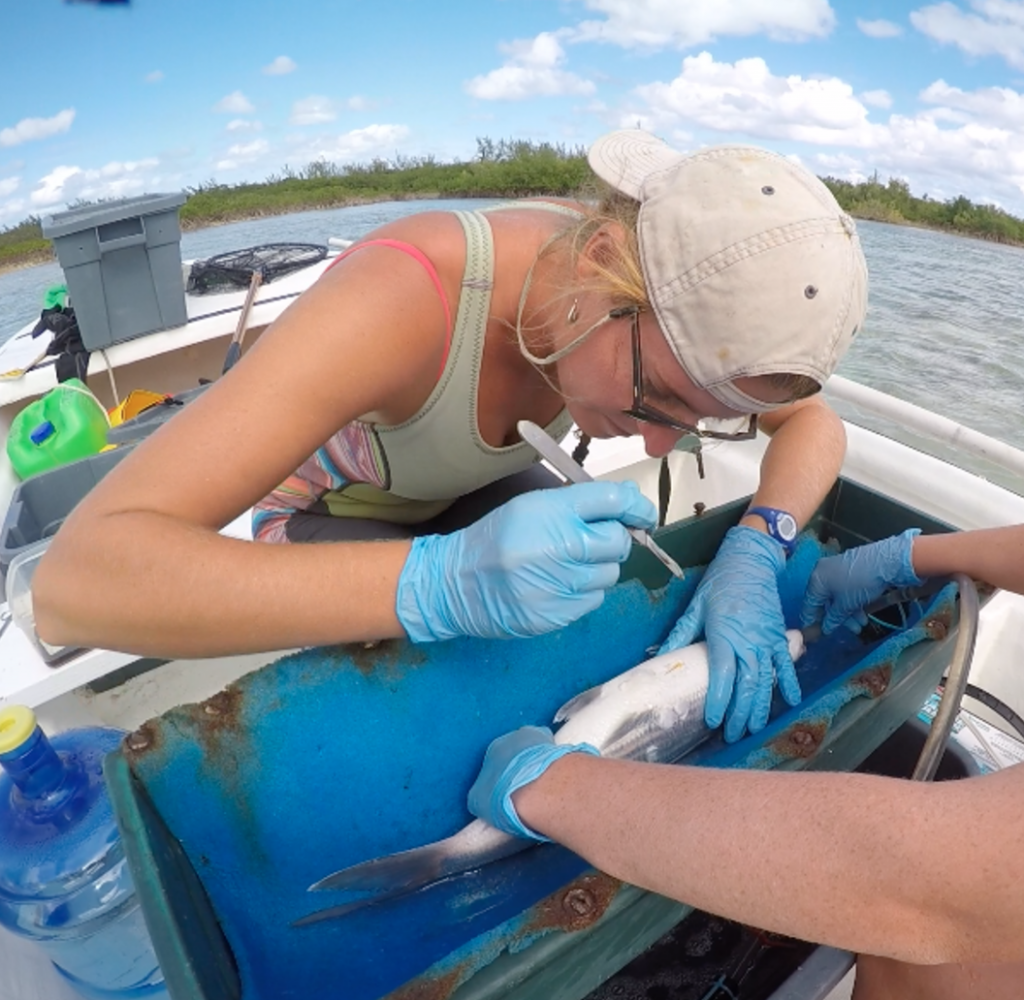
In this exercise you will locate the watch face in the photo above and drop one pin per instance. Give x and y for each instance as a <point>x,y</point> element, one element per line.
<point>786,526</point>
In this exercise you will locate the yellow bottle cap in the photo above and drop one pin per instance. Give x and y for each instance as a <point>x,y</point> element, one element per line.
<point>17,724</point>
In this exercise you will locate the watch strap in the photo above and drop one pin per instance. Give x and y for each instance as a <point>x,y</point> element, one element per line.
<point>781,525</point>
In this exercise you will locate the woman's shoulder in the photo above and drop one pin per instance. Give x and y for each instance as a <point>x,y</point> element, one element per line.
<point>542,204</point>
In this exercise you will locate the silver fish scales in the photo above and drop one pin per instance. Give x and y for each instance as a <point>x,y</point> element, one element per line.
<point>653,712</point>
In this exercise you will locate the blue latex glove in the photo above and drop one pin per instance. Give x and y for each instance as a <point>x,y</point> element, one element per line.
<point>535,564</point>
<point>737,607</point>
<point>841,585</point>
<point>512,761</point>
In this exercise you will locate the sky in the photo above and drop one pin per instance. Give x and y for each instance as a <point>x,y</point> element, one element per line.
<point>114,100</point>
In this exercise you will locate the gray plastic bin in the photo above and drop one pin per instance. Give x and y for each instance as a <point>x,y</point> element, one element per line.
<point>40,504</point>
<point>122,264</point>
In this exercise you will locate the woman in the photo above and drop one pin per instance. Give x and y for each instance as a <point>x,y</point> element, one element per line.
<point>851,860</point>
<point>724,285</point>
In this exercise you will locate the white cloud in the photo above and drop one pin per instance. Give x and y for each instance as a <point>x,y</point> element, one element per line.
<point>9,185</point>
<point>155,77</point>
<point>973,153</point>
<point>243,153</point>
<point>663,23</point>
<point>745,97</point>
<point>235,103</point>
<point>31,129</point>
<point>52,188</point>
<point>877,98</point>
<point>840,165</point>
<point>992,105</point>
<point>995,29</point>
<point>531,70</point>
<point>280,66</point>
<point>14,210</point>
<point>961,141</point>
<point>360,103</point>
<point>880,28</point>
<point>313,110</point>
<point>117,179</point>
<point>244,125</point>
<point>374,140</point>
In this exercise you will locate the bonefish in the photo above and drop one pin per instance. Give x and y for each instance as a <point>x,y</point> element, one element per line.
<point>653,712</point>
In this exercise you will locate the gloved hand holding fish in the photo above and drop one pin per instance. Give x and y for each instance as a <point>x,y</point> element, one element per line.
<point>737,607</point>
<point>653,712</point>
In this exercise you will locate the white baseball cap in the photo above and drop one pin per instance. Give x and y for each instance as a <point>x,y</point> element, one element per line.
<point>752,268</point>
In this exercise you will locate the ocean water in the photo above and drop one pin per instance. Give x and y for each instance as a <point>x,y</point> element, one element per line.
<point>945,326</point>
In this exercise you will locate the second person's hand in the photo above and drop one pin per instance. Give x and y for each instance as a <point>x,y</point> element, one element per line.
<point>535,564</point>
<point>738,609</point>
<point>842,585</point>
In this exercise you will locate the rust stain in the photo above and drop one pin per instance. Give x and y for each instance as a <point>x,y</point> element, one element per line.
<point>984,588</point>
<point>219,715</point>
<point>147,738</point>
<point>391,657</point>
<point>433,989</point>
<point>799,742</point>
<point>937,626</point>
<point>874,681</point>
<point>574,907</point>
<point>226,742</point>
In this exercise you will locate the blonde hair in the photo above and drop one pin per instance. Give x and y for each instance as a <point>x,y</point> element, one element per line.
<point>618,273</point>
<point>617,269</point>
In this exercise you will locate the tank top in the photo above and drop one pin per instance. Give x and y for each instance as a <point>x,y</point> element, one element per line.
<point>410,472</point>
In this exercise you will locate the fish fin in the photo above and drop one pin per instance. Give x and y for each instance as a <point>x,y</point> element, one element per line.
<point>344,909</point>
<point>405,871</point>
<point>573,705</point>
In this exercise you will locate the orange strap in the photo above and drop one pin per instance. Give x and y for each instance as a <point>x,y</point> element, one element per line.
<point>421,257</point>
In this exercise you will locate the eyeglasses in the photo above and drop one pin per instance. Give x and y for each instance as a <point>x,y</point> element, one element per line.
<point>707,427</point>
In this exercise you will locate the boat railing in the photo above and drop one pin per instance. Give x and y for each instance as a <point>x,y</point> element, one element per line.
<point>917,419</point>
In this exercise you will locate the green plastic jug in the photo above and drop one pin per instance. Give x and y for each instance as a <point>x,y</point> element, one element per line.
<point>66,424</point>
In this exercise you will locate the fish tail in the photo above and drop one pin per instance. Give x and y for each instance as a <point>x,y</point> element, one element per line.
<point>405,871</point>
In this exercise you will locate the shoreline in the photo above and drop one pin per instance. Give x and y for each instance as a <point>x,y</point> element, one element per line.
<point>37,257</point>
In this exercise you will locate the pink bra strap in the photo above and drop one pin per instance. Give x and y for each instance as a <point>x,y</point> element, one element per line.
<point>421,257</point>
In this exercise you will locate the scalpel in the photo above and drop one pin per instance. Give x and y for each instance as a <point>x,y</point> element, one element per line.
<point>548,449</point>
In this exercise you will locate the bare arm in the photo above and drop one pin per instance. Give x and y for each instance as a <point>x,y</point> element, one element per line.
<point>140,566</point>
<point>995,555</point>
<point>923,873</point>
<point>803,459</point>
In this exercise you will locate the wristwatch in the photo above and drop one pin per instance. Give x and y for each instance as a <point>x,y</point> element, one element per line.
<point>781,525</point>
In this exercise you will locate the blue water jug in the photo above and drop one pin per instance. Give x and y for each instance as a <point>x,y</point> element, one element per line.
<point>64,880</point>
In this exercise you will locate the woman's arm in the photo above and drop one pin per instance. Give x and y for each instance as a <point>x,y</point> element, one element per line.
<point>995,555</point>
<point>842,586</point>
<point>922,873</point>
<point>803,459</point>
<point>736,605</point>
<point>140,566</point>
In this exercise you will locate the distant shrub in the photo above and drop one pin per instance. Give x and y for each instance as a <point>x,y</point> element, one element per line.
<point>505,168</point>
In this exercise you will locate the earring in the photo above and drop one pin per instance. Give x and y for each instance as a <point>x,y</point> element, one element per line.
<point>574,311</point>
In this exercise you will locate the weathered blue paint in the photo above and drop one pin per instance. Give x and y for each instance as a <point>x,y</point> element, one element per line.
<point>333,756</point>
<point>868,678</point>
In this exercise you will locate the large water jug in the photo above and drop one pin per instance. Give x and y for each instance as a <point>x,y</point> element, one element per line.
<point>66,424</point>
<point>64,881</point>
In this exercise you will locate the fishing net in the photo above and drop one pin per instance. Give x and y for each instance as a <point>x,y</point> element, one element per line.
<point>236,268</point>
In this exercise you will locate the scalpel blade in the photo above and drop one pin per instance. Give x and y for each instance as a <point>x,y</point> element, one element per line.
<point>548,449</point>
